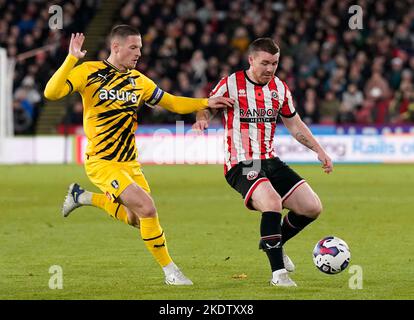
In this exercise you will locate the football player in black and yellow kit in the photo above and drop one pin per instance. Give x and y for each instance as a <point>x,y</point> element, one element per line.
<point>112,91</point>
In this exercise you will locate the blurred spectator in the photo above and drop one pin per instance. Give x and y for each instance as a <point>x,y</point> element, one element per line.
<point>378,91</point>
<point>395,75</point>
<point>21,96</point>
<point>352,99</point>
<point>329,108</point>
<point>22,119</point>
<point>363,114</point>
<point>198,66</point>
<point>402,105</point>
<point>310,107</point>
<point>240,40</point>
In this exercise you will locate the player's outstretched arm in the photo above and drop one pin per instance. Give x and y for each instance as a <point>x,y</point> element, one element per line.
<point>220,102</point>
<point>202,119</point>
<point>57,87</point>
<point>184,105</point>
<point>300,131</point>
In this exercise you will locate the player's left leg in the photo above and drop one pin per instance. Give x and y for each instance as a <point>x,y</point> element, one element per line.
<point>140,207</point>
<point>297,196</point>
<point>305,207</point>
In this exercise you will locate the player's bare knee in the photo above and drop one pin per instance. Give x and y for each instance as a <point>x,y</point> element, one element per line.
<point>314,208</point>
<point>272,203</point>
<point>146,209</point>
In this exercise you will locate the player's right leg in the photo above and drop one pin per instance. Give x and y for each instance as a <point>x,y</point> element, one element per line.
<point>140,207</point>
<point>266,200</point>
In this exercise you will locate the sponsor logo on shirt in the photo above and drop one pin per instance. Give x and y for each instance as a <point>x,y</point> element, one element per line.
<point>258,115</point>
<point>117,95</point>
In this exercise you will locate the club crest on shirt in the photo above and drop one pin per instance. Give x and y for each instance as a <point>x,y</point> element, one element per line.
<point>115,184</point>
<point>251,175</point>
<point>274,95</point>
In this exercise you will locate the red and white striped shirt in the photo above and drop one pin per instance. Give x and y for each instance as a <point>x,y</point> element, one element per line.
<point>250,125</point>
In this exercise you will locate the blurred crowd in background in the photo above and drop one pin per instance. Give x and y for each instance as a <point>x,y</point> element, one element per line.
<point>336,75</point>
<point>24,26</point>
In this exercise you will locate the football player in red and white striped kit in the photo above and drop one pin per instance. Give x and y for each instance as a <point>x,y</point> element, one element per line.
<point>251,166</point>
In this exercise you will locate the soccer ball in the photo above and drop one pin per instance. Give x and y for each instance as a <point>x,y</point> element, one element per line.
<point>331,255</point>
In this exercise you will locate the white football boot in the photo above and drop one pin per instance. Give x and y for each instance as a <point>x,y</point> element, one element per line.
<point>71,201</point>
<point>174,276</point>
<point>281,279</point>
<point>289,265</point>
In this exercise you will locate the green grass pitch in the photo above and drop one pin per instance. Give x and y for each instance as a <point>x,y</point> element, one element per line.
<point>210,234</point>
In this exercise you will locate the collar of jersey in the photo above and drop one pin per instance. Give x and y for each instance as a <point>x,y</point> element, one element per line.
<point>251,81</point>
<point>113,67</point>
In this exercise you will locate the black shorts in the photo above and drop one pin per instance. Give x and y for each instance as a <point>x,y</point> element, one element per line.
<point>247,175</point>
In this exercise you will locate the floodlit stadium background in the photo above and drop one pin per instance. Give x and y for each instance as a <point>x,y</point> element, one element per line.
<point>349,66</point>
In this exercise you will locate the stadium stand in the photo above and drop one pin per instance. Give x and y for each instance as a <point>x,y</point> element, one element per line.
<point>337,75</point>
<point>24,27</point>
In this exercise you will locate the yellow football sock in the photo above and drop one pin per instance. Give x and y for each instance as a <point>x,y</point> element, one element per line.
<point>154,239</point>
<point>115,210</point>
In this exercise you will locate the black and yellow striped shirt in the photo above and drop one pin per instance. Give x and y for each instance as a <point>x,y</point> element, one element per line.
<point>111,99</point>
